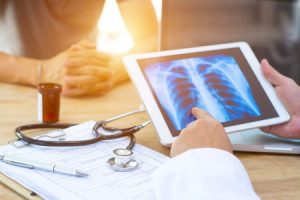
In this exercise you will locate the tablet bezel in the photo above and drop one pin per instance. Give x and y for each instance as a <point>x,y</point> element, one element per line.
<point>144,90</point>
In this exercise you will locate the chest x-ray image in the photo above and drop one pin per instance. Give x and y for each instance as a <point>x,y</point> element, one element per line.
<point>213,83</point>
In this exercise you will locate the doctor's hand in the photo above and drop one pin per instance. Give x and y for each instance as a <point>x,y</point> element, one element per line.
<point>289,93</point>
<point>204,132</point>
<point>80,69</point>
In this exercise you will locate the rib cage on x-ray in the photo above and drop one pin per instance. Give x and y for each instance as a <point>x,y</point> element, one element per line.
<point>214,84</point>
<point>225,92</point>
<point>183,94</point>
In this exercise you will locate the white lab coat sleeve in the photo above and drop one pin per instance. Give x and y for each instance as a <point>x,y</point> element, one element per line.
<point>204,173</point>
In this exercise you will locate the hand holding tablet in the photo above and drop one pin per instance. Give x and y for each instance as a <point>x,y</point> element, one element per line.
<point>288,92</point>
<point>224,80</point>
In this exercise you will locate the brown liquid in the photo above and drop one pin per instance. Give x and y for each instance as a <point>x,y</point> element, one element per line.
<point>50,93</point>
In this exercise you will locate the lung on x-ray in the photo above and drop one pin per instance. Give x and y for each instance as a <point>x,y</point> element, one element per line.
<point>212,83</point>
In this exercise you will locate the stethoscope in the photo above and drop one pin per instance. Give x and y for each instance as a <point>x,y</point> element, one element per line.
<point>122,159</point>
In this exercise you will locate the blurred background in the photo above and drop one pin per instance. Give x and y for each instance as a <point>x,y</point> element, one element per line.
<point>271,27</point>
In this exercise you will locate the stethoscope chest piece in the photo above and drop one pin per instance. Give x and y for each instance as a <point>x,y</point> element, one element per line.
<point>122,160</point>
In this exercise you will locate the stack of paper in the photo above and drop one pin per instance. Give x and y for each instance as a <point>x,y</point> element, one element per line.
<point>102,182</point>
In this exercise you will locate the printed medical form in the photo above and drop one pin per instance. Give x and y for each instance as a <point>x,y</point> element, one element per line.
<point>102,182</point>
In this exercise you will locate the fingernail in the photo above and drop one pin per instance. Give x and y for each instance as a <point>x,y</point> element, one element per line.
<point>265,61</point>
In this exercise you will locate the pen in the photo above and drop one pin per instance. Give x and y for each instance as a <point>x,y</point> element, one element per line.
<point>12,160</point>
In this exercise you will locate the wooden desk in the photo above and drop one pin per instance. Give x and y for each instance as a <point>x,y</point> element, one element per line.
<point>273,176</point>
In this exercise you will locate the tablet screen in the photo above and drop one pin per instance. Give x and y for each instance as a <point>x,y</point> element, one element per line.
<point>220,82</point>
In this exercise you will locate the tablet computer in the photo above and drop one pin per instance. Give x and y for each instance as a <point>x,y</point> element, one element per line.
<point>225,80</point>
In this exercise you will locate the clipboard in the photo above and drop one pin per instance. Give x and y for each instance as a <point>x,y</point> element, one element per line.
<point>17,188</point>
<point>93,188</point>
